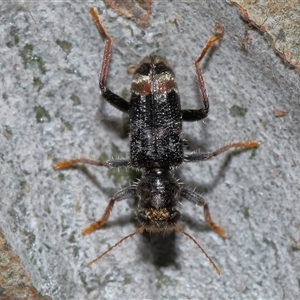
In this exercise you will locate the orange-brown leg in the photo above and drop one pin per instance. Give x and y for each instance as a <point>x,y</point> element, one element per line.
<point>121,195</point>
<point>94,226</point>
<point>218,229</point>
<point>205,156</point>
<point>106,93</point>
<point>197,199</point>
<point>191,115</point>
<point>65,164</point>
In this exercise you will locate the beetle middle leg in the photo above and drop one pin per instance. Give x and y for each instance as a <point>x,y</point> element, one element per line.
<point>208,155</point>
<point>197,199</point>
<point>65,164</point>
<point>122,195</point>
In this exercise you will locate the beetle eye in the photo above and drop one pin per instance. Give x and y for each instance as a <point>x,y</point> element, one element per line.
<point>143,219</point>
<point>174,217</point>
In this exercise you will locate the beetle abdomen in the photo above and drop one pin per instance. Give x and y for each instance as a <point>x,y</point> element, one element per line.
<point>155,116</point>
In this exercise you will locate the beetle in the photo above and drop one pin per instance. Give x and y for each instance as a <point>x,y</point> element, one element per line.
<point>156,144</point>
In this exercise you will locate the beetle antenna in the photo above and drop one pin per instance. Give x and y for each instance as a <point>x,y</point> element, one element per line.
<point>139,230</point>
<point>179,229</point>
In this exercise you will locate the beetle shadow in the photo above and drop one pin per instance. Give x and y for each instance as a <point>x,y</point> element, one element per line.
<point>191,144</point>
<point>194,223</point>
<point>208,187</point>
<point>159,249</point>
<point>116,125</point>
<point>92,178</point>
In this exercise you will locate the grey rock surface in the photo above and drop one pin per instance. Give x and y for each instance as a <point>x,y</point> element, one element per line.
<point>51,109</point>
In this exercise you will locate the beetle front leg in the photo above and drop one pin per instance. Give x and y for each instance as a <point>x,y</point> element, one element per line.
<point>121,195</point>
<point>197,199</point>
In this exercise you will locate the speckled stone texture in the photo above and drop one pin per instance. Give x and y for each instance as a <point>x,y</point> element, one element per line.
<point>51,109</point>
